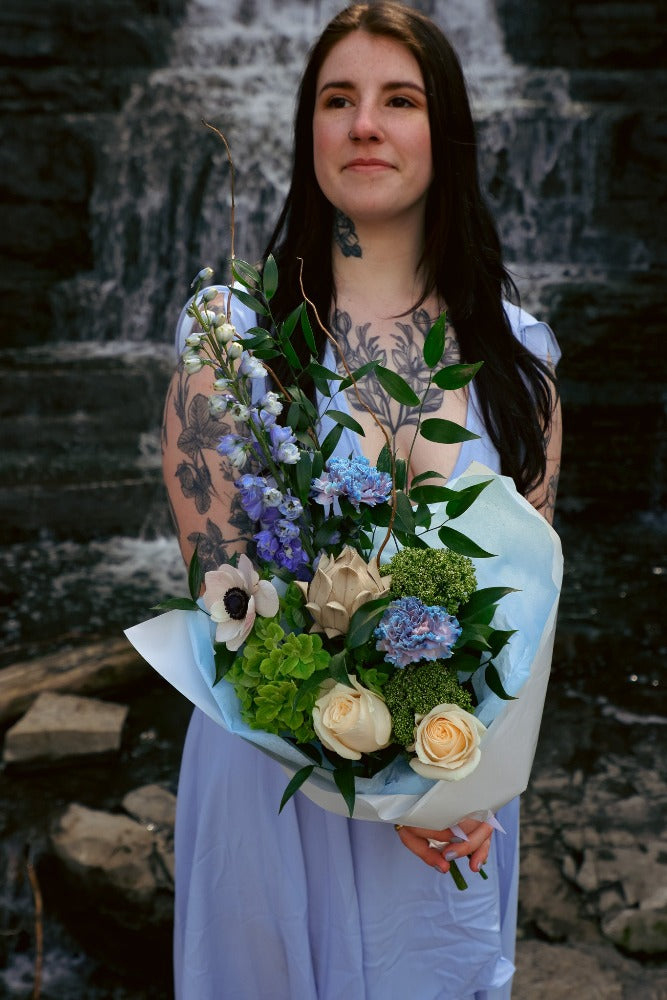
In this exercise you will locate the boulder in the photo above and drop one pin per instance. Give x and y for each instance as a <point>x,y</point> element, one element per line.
<point>117,863</point>
<point>59,726</point>
<point>641,931</point>
<point>540,880</point>
<point>560,972</point>
<point>153,806</point>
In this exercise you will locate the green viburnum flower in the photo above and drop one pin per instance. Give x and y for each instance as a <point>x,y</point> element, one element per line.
<point>268,676</point>
<point>435,576</point>
<point>415,690</point>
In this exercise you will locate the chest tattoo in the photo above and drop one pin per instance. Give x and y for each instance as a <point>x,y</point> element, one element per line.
<point>402,353</point>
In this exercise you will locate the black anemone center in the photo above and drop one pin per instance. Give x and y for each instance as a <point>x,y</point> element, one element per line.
<point>236,603</point>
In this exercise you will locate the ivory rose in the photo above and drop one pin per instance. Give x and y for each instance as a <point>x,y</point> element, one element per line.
<point>351,720</point>
<point>447,743</point>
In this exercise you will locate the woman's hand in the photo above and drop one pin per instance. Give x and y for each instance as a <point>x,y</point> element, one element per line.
<point>476,848</point>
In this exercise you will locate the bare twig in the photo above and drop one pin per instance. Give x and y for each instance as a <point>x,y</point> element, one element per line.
<point>232,221</point>
<point>39,929</point>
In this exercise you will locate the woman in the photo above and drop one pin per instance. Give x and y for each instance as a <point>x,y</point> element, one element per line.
<point>386,213</point>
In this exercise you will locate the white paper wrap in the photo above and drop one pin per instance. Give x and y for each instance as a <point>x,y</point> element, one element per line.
<point>528,557</point>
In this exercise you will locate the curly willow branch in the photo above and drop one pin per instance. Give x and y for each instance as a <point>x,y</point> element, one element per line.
<point>232,220</point>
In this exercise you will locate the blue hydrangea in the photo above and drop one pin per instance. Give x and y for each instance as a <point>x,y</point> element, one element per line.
<point>354,478</point>
<point>410,631</point>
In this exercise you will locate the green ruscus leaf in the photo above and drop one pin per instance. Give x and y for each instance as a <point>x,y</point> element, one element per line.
<point>344,778</point>
<point>270,277</point>
<point>456,376</point>
<point>295,784</point>
<point>434,344</point>
<point>458,542</point>
<point>492,678</point>
<point>396,386</point>
<point>445,431</point>
<point>176,604</point>
<point>195,576</point>
<point>364,620</point>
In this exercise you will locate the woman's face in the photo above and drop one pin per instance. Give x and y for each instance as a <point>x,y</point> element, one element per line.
<point>371,133</point>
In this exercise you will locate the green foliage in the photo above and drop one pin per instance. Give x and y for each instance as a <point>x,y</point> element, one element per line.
<point>373,678</point>
<point>435,576</point>
<point>268,677</point>
<point>415,690</point>
<point>291,604</point>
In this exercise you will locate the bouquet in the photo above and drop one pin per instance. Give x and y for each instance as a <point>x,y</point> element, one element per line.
<point>395,665</point>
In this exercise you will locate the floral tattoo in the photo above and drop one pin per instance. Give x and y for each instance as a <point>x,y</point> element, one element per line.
<point>360,345</point>
<point>550,499</point>
<point>200,433</point>
<point>345,236</point>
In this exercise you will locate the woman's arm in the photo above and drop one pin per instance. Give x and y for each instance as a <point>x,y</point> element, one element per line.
<point>477,847</point>
<point>543,497</point>
<point>200,483</point>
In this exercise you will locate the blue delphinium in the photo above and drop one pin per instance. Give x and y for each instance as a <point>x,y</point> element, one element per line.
<point>251,489</point>
<point>283,445</point>
<point>354,478</point>
<point>279,537</point>
<point>410,631</point>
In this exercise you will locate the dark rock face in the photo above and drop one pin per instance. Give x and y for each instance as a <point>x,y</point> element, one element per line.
<point>578,33</point>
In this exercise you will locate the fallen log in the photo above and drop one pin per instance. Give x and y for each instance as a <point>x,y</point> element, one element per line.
<point>87,669</point>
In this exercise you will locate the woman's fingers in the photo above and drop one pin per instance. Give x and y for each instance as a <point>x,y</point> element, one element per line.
<point>412,838</point>
<point>476,848</point>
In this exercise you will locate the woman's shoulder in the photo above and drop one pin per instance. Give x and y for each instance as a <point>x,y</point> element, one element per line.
<point>536,336</point>
<point>242,316</point>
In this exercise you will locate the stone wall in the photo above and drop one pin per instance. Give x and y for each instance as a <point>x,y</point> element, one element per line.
<point>607,303</point>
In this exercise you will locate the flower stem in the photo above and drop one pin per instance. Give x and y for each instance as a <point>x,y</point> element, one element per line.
<point>459,880</point>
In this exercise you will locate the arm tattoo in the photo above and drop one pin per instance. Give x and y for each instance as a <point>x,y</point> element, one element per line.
<point>345,235</point>
<point>201,432</point>
<point>550,499</point>
<point>407,361</point>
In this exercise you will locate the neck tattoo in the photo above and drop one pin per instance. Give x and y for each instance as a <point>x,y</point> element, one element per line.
<point>345,235</point>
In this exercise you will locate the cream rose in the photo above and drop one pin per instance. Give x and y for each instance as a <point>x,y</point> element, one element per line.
<point>351,720</point>
<point>447,743</point>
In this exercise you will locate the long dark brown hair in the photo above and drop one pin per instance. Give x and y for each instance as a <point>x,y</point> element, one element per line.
<point>462,258</point>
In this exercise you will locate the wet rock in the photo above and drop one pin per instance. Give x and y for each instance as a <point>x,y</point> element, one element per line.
<point>86,669</point>
<point>610,901</point>
<point>560,972</point>
<point>117,862</point>
<point>540,879</point>
<point>152,805</point>
<point>640,931</point>
<point>587,876</point>
<point>61,725</point>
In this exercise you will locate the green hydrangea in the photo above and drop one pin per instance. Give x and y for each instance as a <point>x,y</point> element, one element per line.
<point>435,576</point>
<point>269,675</point>
<point>415,690</point>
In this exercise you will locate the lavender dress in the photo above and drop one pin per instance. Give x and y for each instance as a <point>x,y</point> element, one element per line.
<point>307,905</point>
